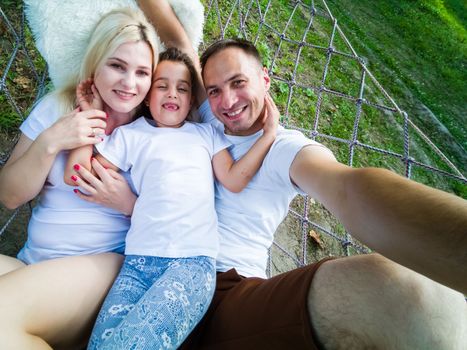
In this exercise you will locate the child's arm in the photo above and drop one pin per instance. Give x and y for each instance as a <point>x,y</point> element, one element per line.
<point>88,98</point>
<point>235,175</point>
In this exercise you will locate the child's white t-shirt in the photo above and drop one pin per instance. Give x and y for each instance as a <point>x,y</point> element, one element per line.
<point>174,215</point>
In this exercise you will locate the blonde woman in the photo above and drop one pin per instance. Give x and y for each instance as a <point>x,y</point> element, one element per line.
<point>72,248</point>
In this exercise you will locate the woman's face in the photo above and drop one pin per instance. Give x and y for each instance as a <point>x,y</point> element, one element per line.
<point>124,79</point>
<point>170,96</point>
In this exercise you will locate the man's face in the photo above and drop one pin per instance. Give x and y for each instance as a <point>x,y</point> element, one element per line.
<point>236,86</point>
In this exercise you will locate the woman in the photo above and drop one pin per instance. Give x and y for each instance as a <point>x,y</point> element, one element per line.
<point>53,302</point>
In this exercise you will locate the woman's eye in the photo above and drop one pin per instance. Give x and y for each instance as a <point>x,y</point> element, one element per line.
<point>116,66</point>
<point>142,73</point>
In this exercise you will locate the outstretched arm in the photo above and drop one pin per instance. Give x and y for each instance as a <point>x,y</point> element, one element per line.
<point>236,175</point>
<point>172,34</point>
<point>417,226</point>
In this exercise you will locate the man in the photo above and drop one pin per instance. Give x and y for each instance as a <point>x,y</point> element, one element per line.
<point>357,302</point>
<point>349,303</point>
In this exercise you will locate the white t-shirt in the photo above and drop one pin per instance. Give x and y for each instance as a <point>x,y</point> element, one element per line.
<point>61,223</point>
<point>249,219</point>
<point>174,215</point>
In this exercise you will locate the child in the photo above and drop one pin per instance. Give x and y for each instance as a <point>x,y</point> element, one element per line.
<point>168,277</point>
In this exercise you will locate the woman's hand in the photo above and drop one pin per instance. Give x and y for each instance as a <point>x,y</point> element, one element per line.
<point>87,96</point>
<point>74,130</point>
<point>109,189</point>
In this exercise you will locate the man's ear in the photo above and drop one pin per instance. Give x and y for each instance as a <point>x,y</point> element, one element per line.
<point>267,78</point>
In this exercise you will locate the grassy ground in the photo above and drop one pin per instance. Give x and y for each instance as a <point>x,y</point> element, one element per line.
<point>418,50</point>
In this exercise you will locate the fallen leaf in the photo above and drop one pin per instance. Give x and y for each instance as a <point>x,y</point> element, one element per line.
<point>22,81</point>
<point>315,236</point>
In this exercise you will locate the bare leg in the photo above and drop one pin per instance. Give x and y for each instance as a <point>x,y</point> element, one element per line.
<point>53,304</point>
<point>369,302</point>
<point>7,264</point>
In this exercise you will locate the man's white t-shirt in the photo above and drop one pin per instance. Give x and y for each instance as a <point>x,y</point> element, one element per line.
<point>174,215</point>
<point>249,219</point>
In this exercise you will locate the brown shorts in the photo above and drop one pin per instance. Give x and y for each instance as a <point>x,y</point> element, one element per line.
<point>255,313</point>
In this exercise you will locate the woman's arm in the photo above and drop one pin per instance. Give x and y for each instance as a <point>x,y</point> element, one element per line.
<point>172,34</point>
<point>236,175</point>
<point>25,172</point>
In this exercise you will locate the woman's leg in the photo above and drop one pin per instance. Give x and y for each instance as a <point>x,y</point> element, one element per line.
<point>8,263</point>
<point>54,303</point>
<point>170,309</point>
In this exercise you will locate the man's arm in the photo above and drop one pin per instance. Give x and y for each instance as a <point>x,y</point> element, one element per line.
<point>417,226</point>
<point>172,34</point>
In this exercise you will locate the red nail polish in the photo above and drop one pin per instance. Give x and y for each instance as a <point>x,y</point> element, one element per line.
<point>92,158</point>
<point>75,190</point>
<point>74,178</point>
<point>76,166</point>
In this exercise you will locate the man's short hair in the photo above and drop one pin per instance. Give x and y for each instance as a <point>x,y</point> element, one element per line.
<point>220,45</point>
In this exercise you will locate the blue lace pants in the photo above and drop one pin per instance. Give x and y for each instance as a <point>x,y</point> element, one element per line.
<point>154,303</point>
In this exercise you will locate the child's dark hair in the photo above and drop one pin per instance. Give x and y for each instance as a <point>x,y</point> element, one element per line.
<point>175,55</point>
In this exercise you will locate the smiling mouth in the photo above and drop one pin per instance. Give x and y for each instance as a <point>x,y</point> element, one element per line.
<point>235,114</point>
<point>170,106</point>
<point>124,95</point>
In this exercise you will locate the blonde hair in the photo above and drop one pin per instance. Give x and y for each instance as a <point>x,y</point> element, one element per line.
<point>113,29</point>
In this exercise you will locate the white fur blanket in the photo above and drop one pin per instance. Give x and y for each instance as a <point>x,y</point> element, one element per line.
<point>61,28</point>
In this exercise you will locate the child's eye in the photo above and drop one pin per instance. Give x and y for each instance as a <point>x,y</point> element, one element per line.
<point>182,89</point>
<point>161,87</point>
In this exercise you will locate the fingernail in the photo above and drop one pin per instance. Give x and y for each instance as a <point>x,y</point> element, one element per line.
<point>75,190</point>
<point>106,115</point>
<point>102,139</point>
<point>74,178</point>
<point>76,166</point>
<point>92,158</point>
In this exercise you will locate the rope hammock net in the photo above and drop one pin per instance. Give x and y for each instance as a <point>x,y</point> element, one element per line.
<point>321,86</point>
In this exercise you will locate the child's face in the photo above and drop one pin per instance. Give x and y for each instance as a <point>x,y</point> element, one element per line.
<point>124,79</point>
<point>170,95</point>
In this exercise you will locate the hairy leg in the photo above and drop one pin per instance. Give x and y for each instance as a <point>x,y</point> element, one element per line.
<point>53,304</point>
<point>369,302</point>
<point>8,263</point>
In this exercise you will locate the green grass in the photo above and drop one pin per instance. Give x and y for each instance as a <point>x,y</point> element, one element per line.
<point>417,48</point>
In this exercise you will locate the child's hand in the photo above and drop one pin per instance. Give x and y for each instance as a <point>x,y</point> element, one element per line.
<point>87,95</point>
<point>271,116</point>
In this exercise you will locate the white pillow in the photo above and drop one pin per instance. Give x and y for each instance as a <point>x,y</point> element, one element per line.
<point>61,28</point>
